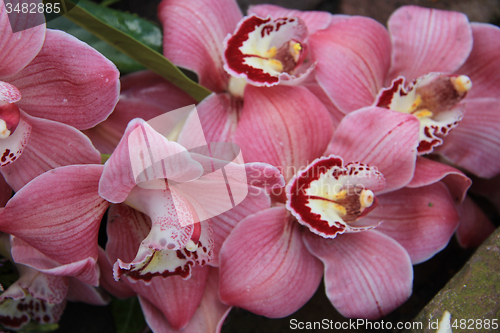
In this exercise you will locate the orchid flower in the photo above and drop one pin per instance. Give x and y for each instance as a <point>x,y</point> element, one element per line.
<point>166,233</point>
<point>51,85</point>
<point>39,296</point>
<point>348,216</point>
<point>239,58</point>
<point>424,65</point>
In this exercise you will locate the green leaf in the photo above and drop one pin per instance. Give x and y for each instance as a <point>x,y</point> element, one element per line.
<point>124,63</point>
<point>128,315</point>
<point>129,45</point>
<point>33,327</point>
<point>106,3</point>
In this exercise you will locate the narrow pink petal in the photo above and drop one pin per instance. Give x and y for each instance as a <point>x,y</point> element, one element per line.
<point>428,172</point>
<point>421,219</point>
<point>208,318</point>
<point>60,221</point>
<point>367,275</point>
<point>314,20</point>
<point>264,266</point>
<point>475,143</point>
<point>391,148</point>
<point>176,298</point>
<point>428,40</point>
<point>143,94</point>
<point>335,113</point>
<point>85,269</point>
<point>483,64</point>
<point>68,82</point>
<point>82,292</point>
<point>289,127</point>
<point>50,145</point>
<point>143,155</point>
<point>106,280</point>
<point>353,58</point>
<point>223,224</point>
<point>193,35</point>
<point>474,225</point>
<point>218,115</point>
<point>17,49</point>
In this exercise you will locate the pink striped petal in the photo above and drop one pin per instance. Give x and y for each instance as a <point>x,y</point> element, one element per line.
<point>143,94</point>
<point>421,219</point>
<point>474,225</point>
<point>475,143</point>
<point>82,292</point>
<point>193,36</point>
<point>17,49</point>
<point>353,58</point>
<point>50,145</point>
<point>264,266</point>
<point>427,40</point>
<point>85,269</point>
<point>315,20</point>
<point>428,172</point>
<point>391,148</point>
<point>223,224</point>
<point>68,82</point>
<point>483,64</point>
<point>208,318</point>
<point>289,127</point>
<point>107,281</point>
<point>335,113</point>
<point>367,275</point>
<point>174,297</point>
<point>58,213</point>
<point>218,116</point>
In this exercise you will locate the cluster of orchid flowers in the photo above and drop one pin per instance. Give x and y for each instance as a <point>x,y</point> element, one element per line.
<point>353,142</point>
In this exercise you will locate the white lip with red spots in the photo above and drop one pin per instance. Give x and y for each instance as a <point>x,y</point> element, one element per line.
<point>434,99</point>
<point>267,51</point>
<point>329,198</point>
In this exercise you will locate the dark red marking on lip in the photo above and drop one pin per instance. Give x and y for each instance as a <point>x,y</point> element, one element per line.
<point>235,58</point>
<point>385,98</point>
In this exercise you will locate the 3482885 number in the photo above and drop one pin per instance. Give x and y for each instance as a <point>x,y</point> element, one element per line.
<point>33,8</point>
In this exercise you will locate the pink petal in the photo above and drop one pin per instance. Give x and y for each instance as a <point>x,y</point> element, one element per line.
<point>483,64</point>
<point>264,266</point>
<point>50,145</point>
<point>68,82</point>
<point>336,114</point>
<point>143,94</point>
<point>82,292</point>
<point>84,269</point>
<point>176,298</point>
<point>421,219</point>
<point>107,281</point>
<point>315,20</point>
<point>428,40</point>
<point>428,172</point>
<point>9,93</point>
<point>143,155</point>
<point>474,225</point>
<point>223,224</point>
<point>289,127</point>
<point>60,221</point>
<point>391,148</point>
<point>193,36</point>
<point>49,288</point>
<point>208,318</point>
<point>475,143</point>
<point>367,275</point>
<point>353,59</point>
<point>17,49</point>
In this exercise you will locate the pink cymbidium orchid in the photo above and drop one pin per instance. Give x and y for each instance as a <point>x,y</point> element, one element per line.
<point>51,85</point>
<point>170,227</point>
<point>365,227</point>
<point>39,296</point>
<point>424,65</point>
<point>239,58</point>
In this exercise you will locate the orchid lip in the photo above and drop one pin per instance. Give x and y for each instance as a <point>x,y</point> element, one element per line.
<point>330,197</point>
